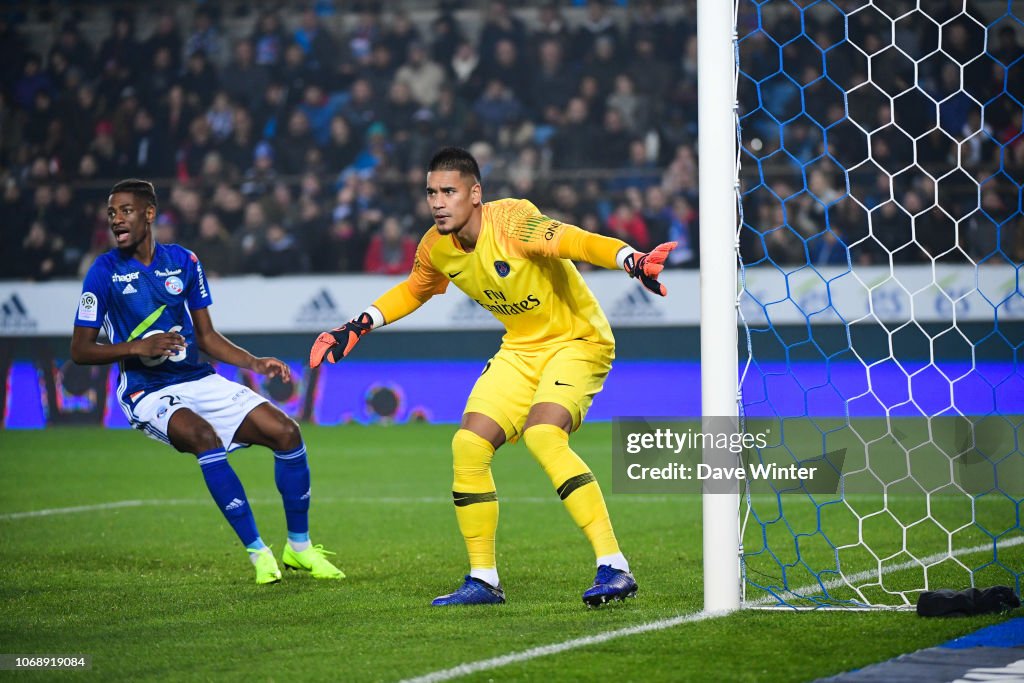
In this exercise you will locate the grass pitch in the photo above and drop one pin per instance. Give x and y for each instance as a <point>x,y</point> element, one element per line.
<point>159,588</point>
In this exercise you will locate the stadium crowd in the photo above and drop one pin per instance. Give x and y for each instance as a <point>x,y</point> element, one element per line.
<point>298,143</point>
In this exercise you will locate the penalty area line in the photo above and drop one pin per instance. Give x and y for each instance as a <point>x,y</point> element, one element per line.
<point>660,625</point>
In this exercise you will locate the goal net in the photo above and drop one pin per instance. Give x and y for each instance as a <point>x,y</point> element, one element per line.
<point>881,317</point>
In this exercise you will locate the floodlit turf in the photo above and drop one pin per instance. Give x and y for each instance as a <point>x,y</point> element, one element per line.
<point>160,589</point>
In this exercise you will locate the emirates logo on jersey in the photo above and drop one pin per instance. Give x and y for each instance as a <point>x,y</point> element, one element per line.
<point>502,268</point>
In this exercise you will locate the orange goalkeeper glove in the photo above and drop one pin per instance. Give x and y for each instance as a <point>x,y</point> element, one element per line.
<point>334,345</point>
<point>648,266</point>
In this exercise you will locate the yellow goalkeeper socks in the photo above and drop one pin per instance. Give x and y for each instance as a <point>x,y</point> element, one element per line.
<point>476,501</point>
<point>575,484</point>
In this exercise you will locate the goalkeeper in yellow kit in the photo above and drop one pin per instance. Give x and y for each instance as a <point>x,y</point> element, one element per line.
<point>554,357</point>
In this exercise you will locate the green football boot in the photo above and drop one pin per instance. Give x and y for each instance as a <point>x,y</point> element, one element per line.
<point>266,567</point>
<point>313,560</point>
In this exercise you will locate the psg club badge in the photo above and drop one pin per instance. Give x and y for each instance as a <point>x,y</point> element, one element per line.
<point>174,285</point>
<point>502,268</point>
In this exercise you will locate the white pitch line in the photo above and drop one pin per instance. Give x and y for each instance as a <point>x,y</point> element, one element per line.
<point>545,650</point>
<point>384,500</point>
<point>92,508</point>
<point>662,624</point>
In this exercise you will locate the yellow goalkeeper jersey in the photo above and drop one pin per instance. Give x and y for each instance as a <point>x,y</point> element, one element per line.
<point>515,272</point>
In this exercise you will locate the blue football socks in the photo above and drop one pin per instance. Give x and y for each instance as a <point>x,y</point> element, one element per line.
<point>291,473</point>
<point>227,492</point>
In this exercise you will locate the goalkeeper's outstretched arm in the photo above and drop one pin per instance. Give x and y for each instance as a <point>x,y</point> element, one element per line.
<point>578,244</point>
<point>424,281</point>
<point>394,304</point>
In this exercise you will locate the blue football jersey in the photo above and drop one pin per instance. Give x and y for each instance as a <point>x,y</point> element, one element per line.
<point>133,301</point>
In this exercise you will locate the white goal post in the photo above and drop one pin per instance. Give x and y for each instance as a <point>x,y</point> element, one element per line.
<point>718,176</point>
<point>861,170</point>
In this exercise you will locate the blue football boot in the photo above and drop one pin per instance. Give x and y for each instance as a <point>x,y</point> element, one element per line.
<point>610,584</point>
<point>472,592</point>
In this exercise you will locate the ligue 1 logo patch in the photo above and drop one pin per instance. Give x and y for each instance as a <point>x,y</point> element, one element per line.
<point>174,285</point>
<point>502,267</point>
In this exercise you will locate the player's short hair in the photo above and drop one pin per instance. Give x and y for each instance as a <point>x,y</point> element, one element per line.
<point>455,159</point>
<point>140,188</point>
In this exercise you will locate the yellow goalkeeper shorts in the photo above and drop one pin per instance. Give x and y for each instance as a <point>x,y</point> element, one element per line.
<point>569,374</point>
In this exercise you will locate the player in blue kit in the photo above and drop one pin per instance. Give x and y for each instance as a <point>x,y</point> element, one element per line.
<point>152,300</point>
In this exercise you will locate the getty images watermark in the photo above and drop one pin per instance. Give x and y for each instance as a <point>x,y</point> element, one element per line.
<point>818,456</point>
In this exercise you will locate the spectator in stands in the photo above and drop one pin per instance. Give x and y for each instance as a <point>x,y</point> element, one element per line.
<point>244,80</point>
<point>683,230</point>
<point>574,143</point>
<point>11,126</point>
<point>269,40</point>
<point>38,121</point>
<point>422,76</point>
<point>397,110</point>
<point>391,251</point>
<point>341,249</point>
<point>315,40</point>
<point>121,46</point>
<point>341,148</point>
<point>510,67</point>
<point>380,69</point>
<point>70,44</point>
<point>500,26</point>
<point>421,143</point>
<point>229,205</point>
<point>160,77</point>
<point>205,38</point>
<point>634,108</point>
<point>827,248</point>
<point>361,110</point>
<point>627,224</point>
<point>590,92</point>
<point>613,142</point>
<point>214,243</point>
<point>552,83</point>
<point>248,238</point>
<point>260,177</point>
<point>311,224</point>
<point>597,27</point>
<point>165,37</point>
<point>273,108</point>
<point>41,256</point>
<point>164,230</point>
<point>550,26</point>
<point>364,34</point>
<point>497,107</point>
<point>15,216</point>
<point>446,37</point>
<point>602,64</point>
<point>63,220</point>
<point>1008,49</point>
<point>58,70</point>
<point>400,35</point>
<point>465,67</point>
<point>295,73</point>
<point>199,143</point>
<point>279,254</point>
<point>149,154</point>
<point>221,117</point>
<point>200,80</point>
<point>237,149</point>
<point>292,147</point>
<point>33,80</point>
<point>638,173</point>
